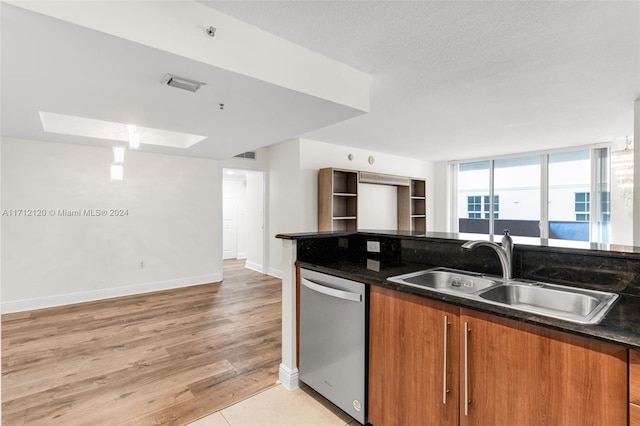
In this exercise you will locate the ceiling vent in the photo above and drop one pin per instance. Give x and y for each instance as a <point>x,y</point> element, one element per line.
<point>182,83</point>
<point>249,154</point>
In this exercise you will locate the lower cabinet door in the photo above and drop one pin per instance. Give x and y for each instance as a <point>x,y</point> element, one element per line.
<point>512,373</point>
<point>413,361</point>
<point>634,415</point>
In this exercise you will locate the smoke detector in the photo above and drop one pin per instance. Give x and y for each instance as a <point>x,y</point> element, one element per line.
<point>182,83</point>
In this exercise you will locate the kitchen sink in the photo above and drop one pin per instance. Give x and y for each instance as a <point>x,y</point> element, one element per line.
<point>446,280</point>
<point>561,302</point>
<point>572,304</point>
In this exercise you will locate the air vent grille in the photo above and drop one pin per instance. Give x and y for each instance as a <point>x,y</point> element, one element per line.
<point>251,155</point>
<point>182,83</point>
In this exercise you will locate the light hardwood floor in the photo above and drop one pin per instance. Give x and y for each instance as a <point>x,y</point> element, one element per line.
<point>165,358</point>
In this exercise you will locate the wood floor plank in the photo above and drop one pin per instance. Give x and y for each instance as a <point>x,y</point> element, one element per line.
<point>217,396</point>
<point>167,357</point>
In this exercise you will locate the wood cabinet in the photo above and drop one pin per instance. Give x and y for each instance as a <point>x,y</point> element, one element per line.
<point>338,199</point>
<point>634,415</point>
<point>634,388</point>
<point>510,373</point>
<point>413,341</point>
<point>412,206</point>
<point>517,373</point>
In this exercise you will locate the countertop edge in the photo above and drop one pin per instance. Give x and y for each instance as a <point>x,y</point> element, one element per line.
<point>596,331</point>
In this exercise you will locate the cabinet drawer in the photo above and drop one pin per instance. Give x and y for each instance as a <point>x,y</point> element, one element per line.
<point>634,377</point>
<point>634,415</point>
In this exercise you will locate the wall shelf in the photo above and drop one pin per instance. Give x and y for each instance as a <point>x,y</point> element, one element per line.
<point>338,199</point>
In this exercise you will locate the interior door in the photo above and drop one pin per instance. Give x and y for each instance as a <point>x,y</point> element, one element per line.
<point>230,219</point>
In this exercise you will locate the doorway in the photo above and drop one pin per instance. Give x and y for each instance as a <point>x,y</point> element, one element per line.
<point>243,216</point>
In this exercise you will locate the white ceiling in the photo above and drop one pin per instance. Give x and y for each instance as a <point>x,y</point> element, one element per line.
<point>451,80</point>
<point>457,79</point>
<point>53,66</point>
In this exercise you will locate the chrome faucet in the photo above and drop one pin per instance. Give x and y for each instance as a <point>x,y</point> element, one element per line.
<point>505,251</point>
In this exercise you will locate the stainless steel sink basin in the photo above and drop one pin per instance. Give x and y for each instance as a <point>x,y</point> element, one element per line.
<point>572,304</point>
<point>446,280</point>
<point>567,303</point>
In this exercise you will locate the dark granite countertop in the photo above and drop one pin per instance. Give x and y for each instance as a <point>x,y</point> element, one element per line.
<point>621,325</point>
<point>531,243</point>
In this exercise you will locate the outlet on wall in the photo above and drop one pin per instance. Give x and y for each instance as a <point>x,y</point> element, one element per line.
<point>373,246</point>
<point>142,264</point>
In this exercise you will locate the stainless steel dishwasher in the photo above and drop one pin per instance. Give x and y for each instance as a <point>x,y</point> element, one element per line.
<point>333,340</point>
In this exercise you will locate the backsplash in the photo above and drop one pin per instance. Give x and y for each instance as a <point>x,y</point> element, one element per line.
<point>598,270</point>
<point>617,272</point>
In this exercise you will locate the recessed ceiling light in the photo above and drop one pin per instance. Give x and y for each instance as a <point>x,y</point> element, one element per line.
<point>182,83</point>
<point>112,131</point>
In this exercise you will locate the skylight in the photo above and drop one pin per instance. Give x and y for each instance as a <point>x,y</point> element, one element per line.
<point>88,127</point>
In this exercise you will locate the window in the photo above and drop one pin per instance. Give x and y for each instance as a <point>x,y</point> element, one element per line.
<point>478,206</point>
<point>517,182</point>
<point>606,206</point>
<point>546,195</point>
<point>582,206</point>
<point>473,184</point>
<point>569,195</point>
<point>474,207</point>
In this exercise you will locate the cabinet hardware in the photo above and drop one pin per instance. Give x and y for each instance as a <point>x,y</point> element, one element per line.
<point>445,389</point>
<point>467,330</point>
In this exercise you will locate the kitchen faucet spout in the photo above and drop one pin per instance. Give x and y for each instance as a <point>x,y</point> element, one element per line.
<point>504,251</point>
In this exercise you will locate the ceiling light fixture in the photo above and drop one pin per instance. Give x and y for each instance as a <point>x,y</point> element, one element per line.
<point>622,165</point>
<point>117,172</point>
<point>117,167</point>
<point>118,154</point>
<point>182,83</point>
<point>134,137</point>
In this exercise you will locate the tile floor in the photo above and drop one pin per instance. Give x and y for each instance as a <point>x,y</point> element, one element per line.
<point>277,406</point>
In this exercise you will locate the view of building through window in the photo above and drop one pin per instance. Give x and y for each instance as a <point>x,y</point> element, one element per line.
<point>569,195</point>
<point>517,195</point>
<point>478,207</point>
<point>583,206</point>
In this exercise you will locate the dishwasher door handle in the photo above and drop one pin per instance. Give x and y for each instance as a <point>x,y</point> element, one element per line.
<point>340,294</point>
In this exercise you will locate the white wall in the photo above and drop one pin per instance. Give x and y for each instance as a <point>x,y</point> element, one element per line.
<point>636,177</point>
<point>621,216</point>
<point>255,221</point>
<point>316,155</point>
<point>285,199</point>
<point>441,197</point>
<point>377,206</point>
<point>293,184</point>
<point>173,224</point>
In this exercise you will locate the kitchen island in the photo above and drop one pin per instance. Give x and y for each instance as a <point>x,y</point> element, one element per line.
<point>612,269</point>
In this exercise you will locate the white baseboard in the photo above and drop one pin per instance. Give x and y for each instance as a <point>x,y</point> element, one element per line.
<point>241,255</point>
<point>289,378</point>
<point>274,272</point>
<point>107,293</point>
<point>254,266</point>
